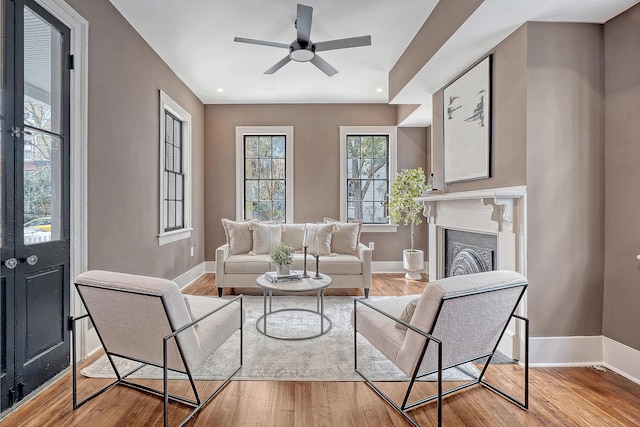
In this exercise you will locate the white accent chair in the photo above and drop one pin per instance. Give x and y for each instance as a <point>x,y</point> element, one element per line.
<point>148,320</point>
<point>457,320</point>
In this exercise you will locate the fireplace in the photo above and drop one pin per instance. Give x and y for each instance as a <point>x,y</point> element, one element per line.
<point>468,252</point>
<point>498,213</point>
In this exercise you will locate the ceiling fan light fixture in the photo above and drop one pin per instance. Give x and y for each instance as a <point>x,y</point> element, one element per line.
<point>300,53</point>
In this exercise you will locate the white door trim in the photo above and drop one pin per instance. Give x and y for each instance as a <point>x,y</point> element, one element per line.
<point>79,102</point>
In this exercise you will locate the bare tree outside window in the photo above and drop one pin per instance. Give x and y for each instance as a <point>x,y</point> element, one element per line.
<point>265,177</point>
<point>367,178</point>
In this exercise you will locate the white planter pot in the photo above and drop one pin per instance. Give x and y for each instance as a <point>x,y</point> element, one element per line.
<point>283,269</point>
<point>413,262</point>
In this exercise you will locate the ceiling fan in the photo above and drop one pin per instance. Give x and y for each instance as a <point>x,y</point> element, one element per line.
<point>302,49</point>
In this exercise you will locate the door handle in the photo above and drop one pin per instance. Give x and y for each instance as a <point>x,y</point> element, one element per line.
<point>11,263</point>
<point>32,260</point>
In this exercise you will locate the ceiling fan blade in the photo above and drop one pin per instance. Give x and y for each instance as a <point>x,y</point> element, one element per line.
<point>324,66</point>
<point>303,22</point>
<point>279,65</point>
<point>260,42</point>
<point>343,43</point>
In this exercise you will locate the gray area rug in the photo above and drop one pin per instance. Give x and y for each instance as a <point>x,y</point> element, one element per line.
<point>325,358</point>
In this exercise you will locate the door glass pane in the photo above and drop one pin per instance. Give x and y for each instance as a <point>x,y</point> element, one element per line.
<point>42,74</point>
<point>2,119</point>
<point>42,125</point>
<point>42,187</point>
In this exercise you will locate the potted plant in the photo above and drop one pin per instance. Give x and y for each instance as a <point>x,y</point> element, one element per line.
<point>282,257</point>
<point>403,209</point>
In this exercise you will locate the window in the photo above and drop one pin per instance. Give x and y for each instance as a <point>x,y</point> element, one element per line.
<point>175,171</point>
<point>367,170</point>
<point>264,173</point>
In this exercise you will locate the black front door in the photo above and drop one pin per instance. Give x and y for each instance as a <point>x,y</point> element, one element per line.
<point>34,132</point>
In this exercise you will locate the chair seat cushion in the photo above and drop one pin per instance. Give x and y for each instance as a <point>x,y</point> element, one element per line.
<point>380,330</point>
<point>245,263</point>
<point>215,329</point>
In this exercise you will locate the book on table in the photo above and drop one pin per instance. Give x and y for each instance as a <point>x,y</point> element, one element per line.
<point>274,277</point>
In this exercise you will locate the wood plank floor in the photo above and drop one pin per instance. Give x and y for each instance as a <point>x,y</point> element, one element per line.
<point>558,396</point>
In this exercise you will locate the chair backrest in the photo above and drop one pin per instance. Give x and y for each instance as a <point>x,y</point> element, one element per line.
<point>133,313</point>
<point>467,313</point>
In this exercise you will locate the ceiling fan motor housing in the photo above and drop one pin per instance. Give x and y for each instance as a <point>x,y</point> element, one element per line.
<point>301,52</point>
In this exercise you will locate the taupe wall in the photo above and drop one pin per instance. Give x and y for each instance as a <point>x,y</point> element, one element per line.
<point>508,122</point>
<point>565,178</point>
<point>125,76</point>
<point>316,163</point>
<point>548,134</point>
<point>622,178</point>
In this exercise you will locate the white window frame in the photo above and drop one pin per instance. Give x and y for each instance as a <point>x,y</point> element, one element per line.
<point>392,133</point>
<point>168,104</point>
<point>241,132</point>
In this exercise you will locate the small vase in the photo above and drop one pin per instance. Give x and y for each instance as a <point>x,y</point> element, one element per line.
<point>283,269</point>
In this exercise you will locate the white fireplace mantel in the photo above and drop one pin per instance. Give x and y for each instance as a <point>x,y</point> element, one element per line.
<point>498,197</point>
<point>498,211</point>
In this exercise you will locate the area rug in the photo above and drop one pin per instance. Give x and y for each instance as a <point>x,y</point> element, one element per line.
<point>325,358</point>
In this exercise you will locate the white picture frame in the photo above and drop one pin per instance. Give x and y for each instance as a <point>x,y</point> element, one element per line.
<point>467,125</point>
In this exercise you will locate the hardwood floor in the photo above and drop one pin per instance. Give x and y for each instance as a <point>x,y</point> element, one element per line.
<point>558,396</point>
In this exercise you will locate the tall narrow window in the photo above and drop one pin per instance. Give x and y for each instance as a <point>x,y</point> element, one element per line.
<point>368,165</point>
<point>173,174</point>
<point>265,173</point>
<point>175,171</point>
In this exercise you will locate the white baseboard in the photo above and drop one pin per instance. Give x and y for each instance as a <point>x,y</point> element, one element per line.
<point>622,359</point>
<point>190,276</point>
<point>585,351</point>
<point>565,351</point>
<point>393,267</point>
<point>209,266</point>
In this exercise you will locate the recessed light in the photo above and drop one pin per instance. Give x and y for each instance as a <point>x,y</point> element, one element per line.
<point>220,90</point>
<point>379,90</point>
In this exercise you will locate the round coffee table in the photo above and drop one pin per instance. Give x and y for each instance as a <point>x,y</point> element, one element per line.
<point>305,285</point>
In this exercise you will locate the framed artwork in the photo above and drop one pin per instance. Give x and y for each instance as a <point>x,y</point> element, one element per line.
<point>467,125</point>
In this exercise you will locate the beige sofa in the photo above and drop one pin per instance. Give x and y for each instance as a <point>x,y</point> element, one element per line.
<point>245,256</point>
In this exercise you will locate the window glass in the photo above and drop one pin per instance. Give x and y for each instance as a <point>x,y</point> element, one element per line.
<point>265,177</point>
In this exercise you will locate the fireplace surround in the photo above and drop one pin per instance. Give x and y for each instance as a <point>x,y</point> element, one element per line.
<point>498,212</point>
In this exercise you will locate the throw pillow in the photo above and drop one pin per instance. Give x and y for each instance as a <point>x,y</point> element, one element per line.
<point>346,236</point>
<point>318,238</point>
<point>293,235</point>
<point>239,237</point>
<point>265,237</point>
<point>407,313</point>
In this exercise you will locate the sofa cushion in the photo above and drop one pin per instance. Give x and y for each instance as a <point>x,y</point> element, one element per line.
<point>265,237</point>
<point>318,238</point>
<point>338,264</point>
<point>293,234</point>
<point>245,263</point>
<point>239,236</point>
<point>345,237</point>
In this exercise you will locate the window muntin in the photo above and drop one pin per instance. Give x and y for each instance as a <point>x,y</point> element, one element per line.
<point>265,177</point>
<point>367,178</point>
<point>264,173</point>
<point>173,174</point>
<point>367,173</point>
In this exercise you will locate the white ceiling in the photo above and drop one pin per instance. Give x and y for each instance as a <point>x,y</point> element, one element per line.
<point>196,41</point>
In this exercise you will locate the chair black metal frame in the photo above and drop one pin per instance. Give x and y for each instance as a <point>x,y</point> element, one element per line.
<point>197,404</point>
<point>403,408</point>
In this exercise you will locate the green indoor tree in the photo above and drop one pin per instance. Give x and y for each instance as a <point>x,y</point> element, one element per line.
<point>409,183</point>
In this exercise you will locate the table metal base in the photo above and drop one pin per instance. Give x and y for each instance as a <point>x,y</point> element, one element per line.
<point>325,325</point>
<point>261,323</point>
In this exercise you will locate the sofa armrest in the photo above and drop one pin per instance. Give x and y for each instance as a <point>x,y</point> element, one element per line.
<point>365,254</point>
<point>222,253</point>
